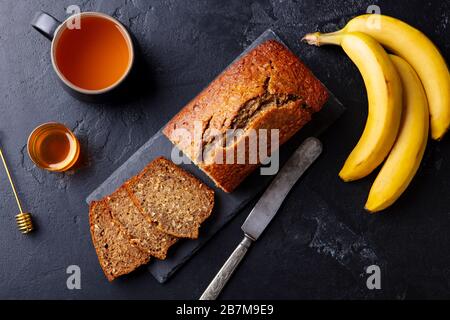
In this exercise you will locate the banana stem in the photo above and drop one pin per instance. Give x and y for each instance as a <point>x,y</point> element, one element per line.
<point>319,39</point>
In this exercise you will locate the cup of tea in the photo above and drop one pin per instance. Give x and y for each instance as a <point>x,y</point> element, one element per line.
<point>91,57</point>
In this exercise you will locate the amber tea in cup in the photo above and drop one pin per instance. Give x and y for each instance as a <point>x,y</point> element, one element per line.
<point>52,146</point>
<point>94,57</point>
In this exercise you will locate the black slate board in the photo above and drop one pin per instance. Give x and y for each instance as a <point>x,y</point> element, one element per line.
<point>226,205</point>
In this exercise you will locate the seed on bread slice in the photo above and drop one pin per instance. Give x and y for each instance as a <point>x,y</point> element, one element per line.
<point>142,231</point>
<point>117,256</point>
<point>175,200</point>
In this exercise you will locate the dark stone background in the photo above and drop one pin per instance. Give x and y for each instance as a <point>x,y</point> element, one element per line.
<point>322,239</point>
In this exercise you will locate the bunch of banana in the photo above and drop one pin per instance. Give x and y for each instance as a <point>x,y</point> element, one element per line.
<point>405,92</point>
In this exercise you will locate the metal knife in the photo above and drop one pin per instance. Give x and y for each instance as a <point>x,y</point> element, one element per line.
<point>265,209</point>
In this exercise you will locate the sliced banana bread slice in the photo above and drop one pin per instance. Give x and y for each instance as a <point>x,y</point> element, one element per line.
<point>175,200</point>
<point>142,231</point>
<point>117,256</point>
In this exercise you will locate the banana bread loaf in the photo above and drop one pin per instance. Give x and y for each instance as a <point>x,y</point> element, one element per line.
<point>269,88</point>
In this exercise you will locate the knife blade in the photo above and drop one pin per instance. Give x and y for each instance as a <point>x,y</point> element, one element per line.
<point>265,209</point>
<point>269,203</point>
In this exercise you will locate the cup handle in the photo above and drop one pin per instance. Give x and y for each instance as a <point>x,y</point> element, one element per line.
<point>45,24</point>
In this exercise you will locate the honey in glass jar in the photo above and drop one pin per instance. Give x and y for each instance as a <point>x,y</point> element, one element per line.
<point>52,146</point>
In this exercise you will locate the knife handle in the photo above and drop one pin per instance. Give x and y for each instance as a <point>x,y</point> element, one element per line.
<point>224,274</point>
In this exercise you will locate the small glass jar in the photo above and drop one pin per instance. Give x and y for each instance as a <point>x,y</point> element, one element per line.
<point>53,147</point>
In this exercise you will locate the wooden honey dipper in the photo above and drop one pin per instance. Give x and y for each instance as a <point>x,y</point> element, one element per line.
<point>24,222</point>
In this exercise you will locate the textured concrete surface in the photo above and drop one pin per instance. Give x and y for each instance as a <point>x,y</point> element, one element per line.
<point>321,241</point>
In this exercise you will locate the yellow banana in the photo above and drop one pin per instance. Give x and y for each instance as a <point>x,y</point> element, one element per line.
<point>384,92</point>
<point>413,46</point>
<point>407,152</point>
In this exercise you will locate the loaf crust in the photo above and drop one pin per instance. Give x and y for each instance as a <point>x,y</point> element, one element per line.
<point>269,88</point>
